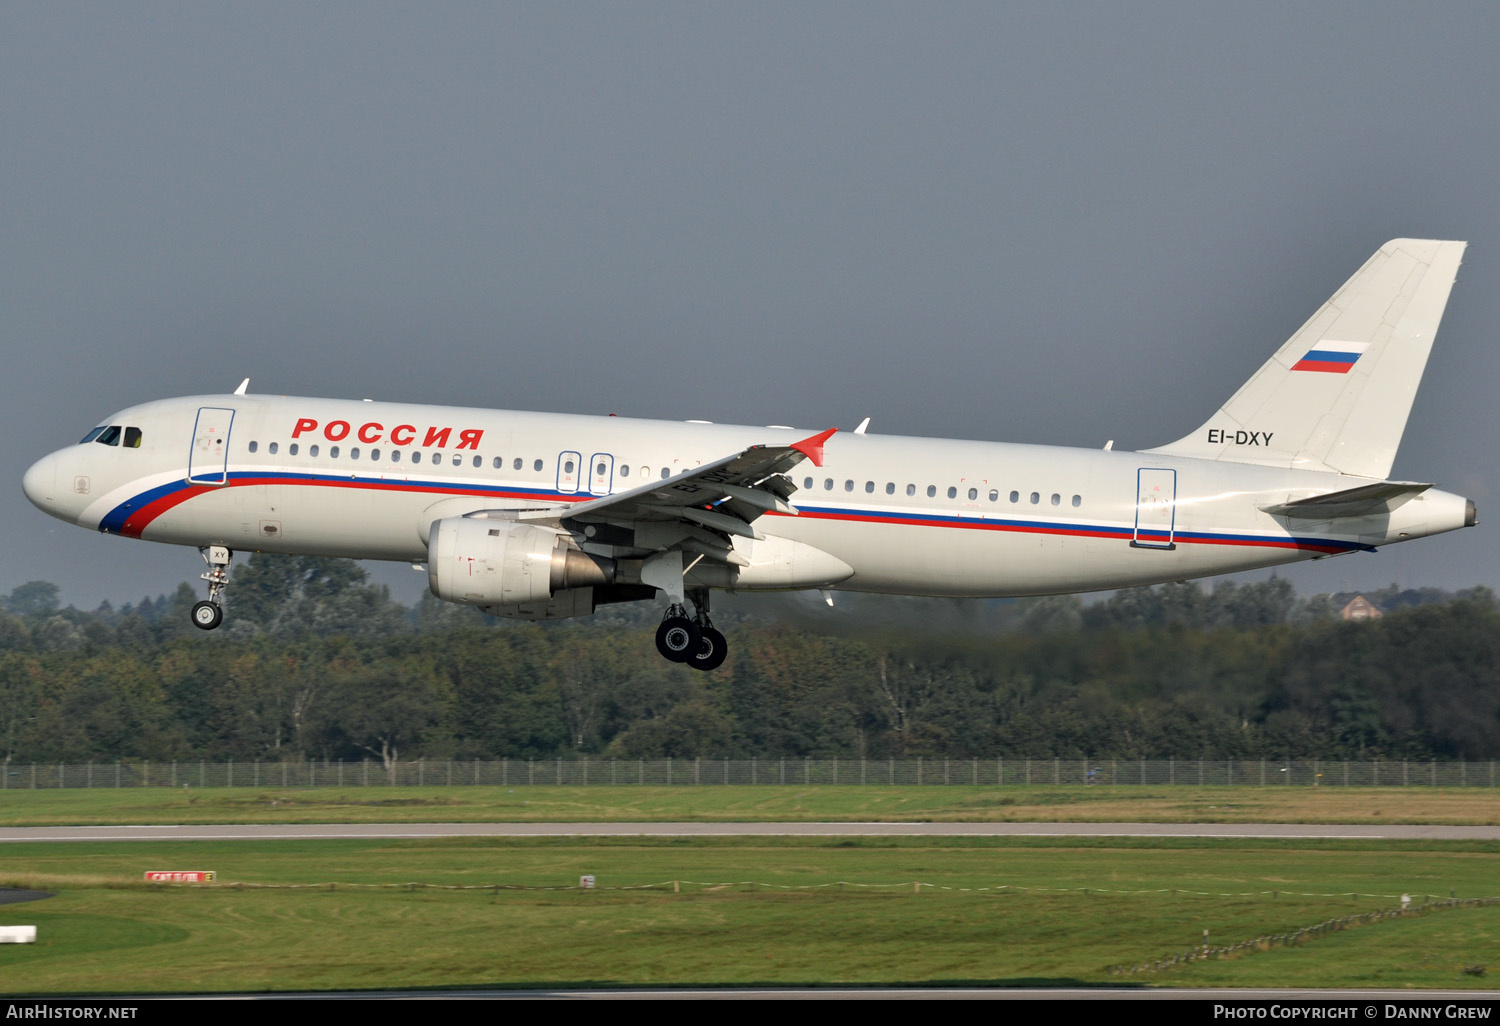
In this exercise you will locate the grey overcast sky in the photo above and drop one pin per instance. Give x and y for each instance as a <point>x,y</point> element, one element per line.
<point>1061,222</point>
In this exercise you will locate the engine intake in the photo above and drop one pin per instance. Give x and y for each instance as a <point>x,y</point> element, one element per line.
<point>488,562</point>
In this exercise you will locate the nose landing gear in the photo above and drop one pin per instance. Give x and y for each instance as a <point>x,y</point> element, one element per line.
<point>208,615</point>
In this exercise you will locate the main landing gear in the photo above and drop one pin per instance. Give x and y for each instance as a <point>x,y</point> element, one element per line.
<point>692,641</point>
<point>208,615</point>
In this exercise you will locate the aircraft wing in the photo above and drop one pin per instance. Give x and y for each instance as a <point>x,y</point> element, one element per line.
<point>706,504</point>
<point>1363,501</point>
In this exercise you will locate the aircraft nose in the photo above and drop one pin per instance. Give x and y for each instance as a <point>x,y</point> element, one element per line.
<point>40,483</point>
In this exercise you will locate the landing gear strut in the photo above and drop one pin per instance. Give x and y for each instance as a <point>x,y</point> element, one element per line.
<point>208,615</point>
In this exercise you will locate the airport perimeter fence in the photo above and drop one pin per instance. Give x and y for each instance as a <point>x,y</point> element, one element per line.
<point>800,772</point>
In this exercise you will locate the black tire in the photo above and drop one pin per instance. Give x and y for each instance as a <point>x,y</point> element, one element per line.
<point>677,639</point>
<point>207,615</point>
<point>712,650</point>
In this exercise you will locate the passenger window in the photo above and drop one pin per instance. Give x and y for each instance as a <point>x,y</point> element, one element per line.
<point>133,438</point>
<point>807,482</point>
<point>292,449</point>
<point>395,455</point>
<point>828,484</point>
<point>312,450</point>
<point>911,489</point>
<point>517,464</point>
<point>624,469</point>
<point>416,457</point>
<point>931,491</point>
<point>109,436</point>
<point>437,458</point>
<point>973,493</point>
<point>499,463</point>
<point>599,470</point>
<point>567,467</point>
<point>375,454</point>
<point>1056,499</point>
<point>848,486</point>
<point>994,495</point>
<point>869,487</point>
<point>354,453</point>
<point>271,448</point>
<point>890,488</point>
<point>478,461</point>
<point>1035,498</point>
<point>952,492</point>
<point>1077,501</point>
<point>666,472</point>
<point>252,446</point>
<point>458,459</point>
<point>537,465</point>
<point>1015,496</point>
<point>333,452</point>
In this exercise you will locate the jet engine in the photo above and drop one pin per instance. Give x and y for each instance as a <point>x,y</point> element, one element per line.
<point>503,563</point>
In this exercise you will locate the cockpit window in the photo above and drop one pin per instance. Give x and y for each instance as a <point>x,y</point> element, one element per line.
<point>91,436</point>
<point>109,435</point>
<point>132,438</point>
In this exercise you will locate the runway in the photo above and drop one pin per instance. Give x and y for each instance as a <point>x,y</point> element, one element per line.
<point>412,831</point>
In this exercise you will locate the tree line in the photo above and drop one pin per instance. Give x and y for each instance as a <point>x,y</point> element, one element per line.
<point>314,662</point>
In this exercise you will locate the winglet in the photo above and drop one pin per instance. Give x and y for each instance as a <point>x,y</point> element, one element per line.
<point>812,447</point>
<point>243,386</point>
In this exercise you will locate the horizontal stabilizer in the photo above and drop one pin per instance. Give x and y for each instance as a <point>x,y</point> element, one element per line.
<point>1371,500</point>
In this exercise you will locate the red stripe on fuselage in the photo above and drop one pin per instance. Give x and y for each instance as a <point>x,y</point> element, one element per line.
<point>142,518</point>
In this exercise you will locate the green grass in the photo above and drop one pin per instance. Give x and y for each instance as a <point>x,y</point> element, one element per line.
<point>1051,912</point>
<point>713,803</point>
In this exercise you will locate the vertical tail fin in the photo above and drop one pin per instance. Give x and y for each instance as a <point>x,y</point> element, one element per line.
<point>1336,396</point>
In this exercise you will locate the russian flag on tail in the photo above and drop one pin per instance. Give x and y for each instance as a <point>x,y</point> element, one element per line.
<point>1331,357</point>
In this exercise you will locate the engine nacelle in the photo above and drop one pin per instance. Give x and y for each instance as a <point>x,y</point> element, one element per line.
<point>502,563</point>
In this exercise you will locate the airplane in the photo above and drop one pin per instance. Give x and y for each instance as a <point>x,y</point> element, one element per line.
<point>546,516</point>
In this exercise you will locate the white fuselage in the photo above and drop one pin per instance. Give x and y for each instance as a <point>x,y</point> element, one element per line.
<point>914,516</point>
